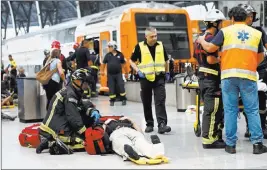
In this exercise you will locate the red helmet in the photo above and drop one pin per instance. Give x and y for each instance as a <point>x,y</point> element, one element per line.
<point>55,44</point>
<point>76,45</point>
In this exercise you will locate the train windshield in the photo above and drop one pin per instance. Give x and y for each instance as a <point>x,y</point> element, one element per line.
<point>171,29</point>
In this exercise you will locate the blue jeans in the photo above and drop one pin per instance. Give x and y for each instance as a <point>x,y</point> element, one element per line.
<point>231,87</point>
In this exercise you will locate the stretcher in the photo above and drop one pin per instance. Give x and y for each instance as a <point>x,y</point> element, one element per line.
<point>190,85</point>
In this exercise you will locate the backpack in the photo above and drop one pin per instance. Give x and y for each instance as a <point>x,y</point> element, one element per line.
<point>96,141</point>
<point>29,137</point>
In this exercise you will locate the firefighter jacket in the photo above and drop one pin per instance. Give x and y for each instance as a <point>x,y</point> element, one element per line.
<point>63,116</point>
<point>201,56</point>
<point>239,52</point>
<point>148,66</point>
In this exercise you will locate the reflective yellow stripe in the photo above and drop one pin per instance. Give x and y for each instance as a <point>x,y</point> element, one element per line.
<point>112,96</point>
<point>208,70</point>
<point>211,139</point>
<point>48,130</point>
<point>83,129</point>
<point>76,146</point>
<point>145,66</point>
<point>95,67</point>
<point>239,73</point>
<point>240,46</point>
<point>58,98</point>
<point>65,139</point>
<point>122,94</point>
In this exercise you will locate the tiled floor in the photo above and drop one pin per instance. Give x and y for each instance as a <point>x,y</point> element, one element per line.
<point>182,147</point>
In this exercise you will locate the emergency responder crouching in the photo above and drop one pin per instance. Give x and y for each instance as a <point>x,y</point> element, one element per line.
<point>64,117</point>
<point>251,17</point>
<point>152,68</point>
<point>209,82</point>
<point>114,59</point>
<point>242,51</point>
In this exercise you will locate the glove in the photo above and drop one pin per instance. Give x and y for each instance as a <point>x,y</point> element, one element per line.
<point>167,76</point>
<point>95,114</point>
<point>140,74</point>
<point>261,86</point>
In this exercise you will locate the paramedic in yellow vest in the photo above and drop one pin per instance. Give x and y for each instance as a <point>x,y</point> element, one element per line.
<point>242,51</point>
<point>152,69</point>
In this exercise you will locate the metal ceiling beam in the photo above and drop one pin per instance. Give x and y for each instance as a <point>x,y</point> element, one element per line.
<point>12,16</point>
<point>38,13</point>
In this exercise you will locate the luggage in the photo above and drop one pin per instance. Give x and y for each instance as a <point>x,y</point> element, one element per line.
<point>29,137</point>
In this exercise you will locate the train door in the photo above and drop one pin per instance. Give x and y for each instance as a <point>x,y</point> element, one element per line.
<point>103,41</point>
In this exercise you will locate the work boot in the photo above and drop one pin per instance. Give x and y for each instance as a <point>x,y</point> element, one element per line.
<point>155,139</point>
<point>42,146</point>
<point>131,152</point>
<point>259,148</point>
<point>219,144</point>
<point>124,102</point>
<point>149,129</point>
<point>230,149</point>
<point>265,133</point>
<point>163,128</point>
<point>111,103</point>
<point>247,134</point>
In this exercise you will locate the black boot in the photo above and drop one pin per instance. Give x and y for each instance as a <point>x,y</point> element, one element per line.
<point>247,134</point>
<point>230,149</point>
<point>219,144</point>
<point>259,148</point>
<point>111,103</point>
<point>42,146</point>
<point>131,152</point>
<point>149,129</point>
<point>163,128</point>
<point>155,139</point>
<point>124,102</point>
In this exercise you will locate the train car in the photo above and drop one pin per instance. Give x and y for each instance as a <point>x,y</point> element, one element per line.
<point>125,24</point>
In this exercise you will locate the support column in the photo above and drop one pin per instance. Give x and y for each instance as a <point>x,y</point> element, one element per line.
<point>78,9</point>
<point>39,14</point>
<point>12,17</point>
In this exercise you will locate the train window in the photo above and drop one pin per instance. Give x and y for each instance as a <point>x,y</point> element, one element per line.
<point>114,36</point>
<point>171,29</point>
<point>104,45</point>
<point>69,35</point>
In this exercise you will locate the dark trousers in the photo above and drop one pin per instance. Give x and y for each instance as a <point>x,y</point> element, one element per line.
<point>94,74</point>
<point>50,89</point>
<point>113,81</point>
<point>262,110</point>
<point>212,120</point>
<point>158,87</point>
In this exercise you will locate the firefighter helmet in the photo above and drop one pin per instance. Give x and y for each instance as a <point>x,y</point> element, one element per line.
<point>249,9</point>
<point>214,15</point>
<point>55,44</point>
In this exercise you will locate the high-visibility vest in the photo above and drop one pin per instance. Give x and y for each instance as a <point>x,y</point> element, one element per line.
<point>148,66</point>
<point>239,52</point>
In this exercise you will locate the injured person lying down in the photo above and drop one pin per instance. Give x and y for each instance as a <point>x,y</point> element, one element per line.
<point>129,142</point>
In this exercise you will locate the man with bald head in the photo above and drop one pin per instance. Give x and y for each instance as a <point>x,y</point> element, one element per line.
<point>150,60</point>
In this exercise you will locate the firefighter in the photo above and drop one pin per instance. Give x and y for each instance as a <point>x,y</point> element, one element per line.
<point>153,71</point>
<point>95,67</point>
<point>251,17</point>
<point>114,59</point>
<point>209,82</point>
<point>238,76</point>
<point>64,120</point>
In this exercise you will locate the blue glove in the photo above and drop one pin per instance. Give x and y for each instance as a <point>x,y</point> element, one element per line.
<point>167,76</point>
<point>95,114</point>
<point>140,74</point>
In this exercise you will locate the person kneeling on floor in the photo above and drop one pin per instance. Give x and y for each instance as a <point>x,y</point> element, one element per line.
<point>63,128</point>
<point>129,142</point>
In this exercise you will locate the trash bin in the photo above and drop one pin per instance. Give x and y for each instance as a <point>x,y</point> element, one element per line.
<point>29,100</point>
<point>184,97</point>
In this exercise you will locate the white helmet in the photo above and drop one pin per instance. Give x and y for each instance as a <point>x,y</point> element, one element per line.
<point>214,15</point>
<point>113,44</point>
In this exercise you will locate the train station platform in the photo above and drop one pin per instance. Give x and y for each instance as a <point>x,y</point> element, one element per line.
<point>181,145</point>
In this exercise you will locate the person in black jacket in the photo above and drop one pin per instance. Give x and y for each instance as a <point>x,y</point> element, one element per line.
<point>82,54</point>
<point>64,119</point>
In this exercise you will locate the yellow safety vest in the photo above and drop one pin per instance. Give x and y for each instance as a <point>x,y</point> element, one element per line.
<point>240,52</point>
<point>147,65</point>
